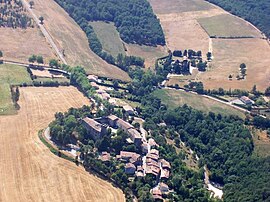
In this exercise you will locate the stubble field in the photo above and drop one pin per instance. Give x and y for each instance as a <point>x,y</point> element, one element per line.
<point>29,171</point>
<point>18,44</point>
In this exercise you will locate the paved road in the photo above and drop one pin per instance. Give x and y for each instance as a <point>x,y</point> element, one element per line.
<point>45,32</point>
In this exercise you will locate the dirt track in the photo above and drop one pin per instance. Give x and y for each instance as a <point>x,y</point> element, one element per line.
<point>29,171</point>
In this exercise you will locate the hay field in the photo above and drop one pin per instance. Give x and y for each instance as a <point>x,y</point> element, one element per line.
<point>29,171</point>
<point>69,37</point>
<point>226,25</point>
<point>176,6</point>
<point>175,98</point>
<point>109,37</point>
<point>183,31</point>
<point>10,74</point>
<point>18,44</point>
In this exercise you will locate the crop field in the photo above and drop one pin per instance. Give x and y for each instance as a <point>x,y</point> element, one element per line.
<point>69,37</point>
<point>226,25</point>
<point>176,98</point>
<point>10,74</point>
<point>176,6</point>
<point>183,28</point>
<point>29,171</point>
<point>109,37</point>
<point>18,44</point>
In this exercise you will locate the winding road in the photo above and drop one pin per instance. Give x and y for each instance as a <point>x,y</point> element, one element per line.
<point>45,32</point>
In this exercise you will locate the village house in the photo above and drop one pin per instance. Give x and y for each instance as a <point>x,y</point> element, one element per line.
<point>246,100</point>
<point>163,188</point>
<point>139,172</point>
<point>92,78</point>
<point>131,157</point>
<point>94,85</point>
<point>157,195</point>
<point>112,120</point>
<point>94,129</point>
<point>130,169</point>
<point>105,157</point>
<point>128,109</point>
<point>135,136</point>
<point>123,125</point>
<point>144,147</point>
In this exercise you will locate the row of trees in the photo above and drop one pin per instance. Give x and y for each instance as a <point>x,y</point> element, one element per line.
<point>12,14</point>
<point>36,58</point>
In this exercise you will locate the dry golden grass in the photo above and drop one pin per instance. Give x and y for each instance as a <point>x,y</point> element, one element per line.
<point>229,54</point>
<point>261,142</point>
<point>183,31</point>
<point>19,44</point>
<point>29,171</point>
<point>69,37</point>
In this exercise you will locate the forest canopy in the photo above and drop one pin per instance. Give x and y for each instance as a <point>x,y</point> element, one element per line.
<point>134,19</point>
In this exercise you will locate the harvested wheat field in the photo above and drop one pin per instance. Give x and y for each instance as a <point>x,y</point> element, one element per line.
<point>29,171</point>
<point>18,44</point>
<point>69,37</point>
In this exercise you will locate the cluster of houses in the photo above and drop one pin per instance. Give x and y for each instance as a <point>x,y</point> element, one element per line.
<point>148,162</point>
<point>97,128</point>
<point>244,100</point>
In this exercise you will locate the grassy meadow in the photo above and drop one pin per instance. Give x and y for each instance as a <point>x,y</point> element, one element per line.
<point>176,98</point>
<point>10,74</point>
<point>226,25</point>
<point>109,37</point>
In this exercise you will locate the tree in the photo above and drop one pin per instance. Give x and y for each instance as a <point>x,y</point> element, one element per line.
<point>243,72</point>
<point>53,63</point>
<point>31,4</point>
<point>32,58</point>
<point>209,56</point>
<point>40,59</point>
<point>1,54</point>
<point>115,84</point>
<point>41,19</point>
<point>267,91</point>
<point>243,66</point>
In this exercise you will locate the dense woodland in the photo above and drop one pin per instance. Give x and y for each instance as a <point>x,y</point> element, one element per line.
<point>12,14</point>
<point>254,11</point>
<point>134,19</point>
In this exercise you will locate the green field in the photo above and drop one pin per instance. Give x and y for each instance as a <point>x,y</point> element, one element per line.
<point>10,74</point>
<point>226,25</point>
<point>176,98</point>
<point>109,37</point>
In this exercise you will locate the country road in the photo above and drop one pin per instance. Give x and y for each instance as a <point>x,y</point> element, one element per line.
<point>45,32</point>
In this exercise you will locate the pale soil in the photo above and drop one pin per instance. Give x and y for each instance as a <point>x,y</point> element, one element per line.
<point>69,37</point>
<point>29,171</point>
<point>19,44</point>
